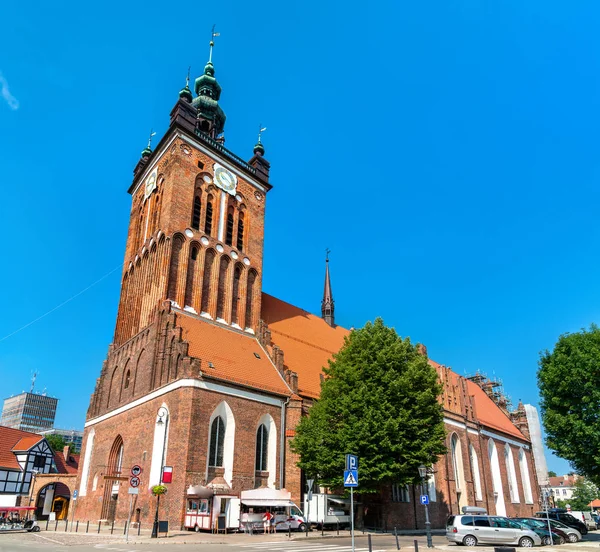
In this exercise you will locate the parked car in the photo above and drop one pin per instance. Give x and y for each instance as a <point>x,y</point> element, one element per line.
<point>573,535</point>
<point>586,517</point>
<point>540,526</point>
<point>560,514</point>
<point>596,518</point>
<point>470,530</point>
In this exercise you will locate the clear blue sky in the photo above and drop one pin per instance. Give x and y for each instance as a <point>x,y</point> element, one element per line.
<point>446,152</point>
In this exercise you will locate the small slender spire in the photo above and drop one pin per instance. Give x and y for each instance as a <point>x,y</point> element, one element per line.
<point>185,93</point>
<point>212,43</point>
<point>327,304</point>
<point>147,151</point>
<point>259,149</point>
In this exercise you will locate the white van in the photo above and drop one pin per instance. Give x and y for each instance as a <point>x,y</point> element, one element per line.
<point>325,510</point>
<point>586,517</point>
<point>255,502</point>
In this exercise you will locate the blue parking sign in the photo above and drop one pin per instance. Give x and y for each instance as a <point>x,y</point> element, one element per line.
<point>424,499</point>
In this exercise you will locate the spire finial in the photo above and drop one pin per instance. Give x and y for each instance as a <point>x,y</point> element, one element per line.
<point>259,149</point>
<point>212,43</point>
<point>152,133</point>
<point>187,79</point>
<point>261,129</point>
<point>327,304</point>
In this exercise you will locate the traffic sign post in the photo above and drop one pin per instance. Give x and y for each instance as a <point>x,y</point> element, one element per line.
<point>424,499</point>
<point>134,483</point>
<point>351,481</point>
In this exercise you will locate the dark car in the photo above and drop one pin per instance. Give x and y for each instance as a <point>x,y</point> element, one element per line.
<point>562,515</point>
<point>540,526</point>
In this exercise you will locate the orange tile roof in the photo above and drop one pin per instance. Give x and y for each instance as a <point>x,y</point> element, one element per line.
<point>307,341</point>
<point>487,411</point>
<point>66,466</point>
<point>560,481</point>
<point>15,440</point>
<point>232,355</point>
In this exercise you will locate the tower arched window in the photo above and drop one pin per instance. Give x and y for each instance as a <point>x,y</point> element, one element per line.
<point>217,439</point>
<point>240,232</point>
<point>127,378</point>
<point>229,233</point>
<point>237,273</point>
<point>209,216</point>
<point>250,298</point>
<point>512,474</point>
<point>196,213</point>
<point>476,474</point>
<point>262,445</point>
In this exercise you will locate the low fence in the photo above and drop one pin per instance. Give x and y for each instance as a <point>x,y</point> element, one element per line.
<point>100,527</point>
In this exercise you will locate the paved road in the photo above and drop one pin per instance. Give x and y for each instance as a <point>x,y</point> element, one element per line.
<point>69,542</point>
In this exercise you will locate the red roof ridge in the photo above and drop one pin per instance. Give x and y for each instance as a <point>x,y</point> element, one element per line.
<point>303,341</point>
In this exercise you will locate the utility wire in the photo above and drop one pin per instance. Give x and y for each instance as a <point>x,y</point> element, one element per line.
<point>62,304</point>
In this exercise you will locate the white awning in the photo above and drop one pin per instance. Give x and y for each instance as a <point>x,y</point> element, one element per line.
<point>345,501</point>
<point>266,502</point>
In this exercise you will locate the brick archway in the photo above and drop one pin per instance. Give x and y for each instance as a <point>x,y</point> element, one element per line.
<point>61,487</point>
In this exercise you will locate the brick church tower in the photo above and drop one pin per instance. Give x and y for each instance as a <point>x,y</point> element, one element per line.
<point>187,382</point>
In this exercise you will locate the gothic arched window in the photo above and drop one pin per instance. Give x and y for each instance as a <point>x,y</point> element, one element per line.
<point>217,438</point>
<point>196,213</point>
<point>127,378</point>
<point>209,216</point>
<point>229,234</point>
<point>262,442</point>
<point>240,232</point>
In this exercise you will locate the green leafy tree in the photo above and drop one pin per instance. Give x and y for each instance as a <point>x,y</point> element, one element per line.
<point>58,443</point>
<point>560,503</point>
<point>379,400</point>
<point>570,400</point>
<point>551,473</point>
<point>585,491</point>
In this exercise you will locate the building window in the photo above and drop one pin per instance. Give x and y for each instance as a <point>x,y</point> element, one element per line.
<point>511,472</point>
<point>476,475</point>
<point>39,462</point>
<point>209,217</point>
<point>400,493</point>
<point>196,213</point>
<point>525,477</point>
<point>262,441</point>
<point>229,234</point>
<point>240,232</point>
<point>217,437</point>
<point>127,378</point>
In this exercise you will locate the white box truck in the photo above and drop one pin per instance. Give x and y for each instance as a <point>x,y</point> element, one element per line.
<point>326,510</point>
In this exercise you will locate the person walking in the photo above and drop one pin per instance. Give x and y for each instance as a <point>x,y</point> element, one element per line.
<point>267,522</point>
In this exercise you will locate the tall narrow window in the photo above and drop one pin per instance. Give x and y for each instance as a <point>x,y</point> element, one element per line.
<point>229,234</point>
<point>240,232</point>
<point>217,437</point>
<point>127,377</point>
<point>525,477</point>
<point>262,445</point>
<point>174,268</point>
<point>234,295</point>
<point>196,213</point>
<point>206,280</point>
<point>209,216</point>
<point>512,474</point>
<point>222,287</point>
<point>476,475</point>
<point>249,298</point>
<point>496,479</point>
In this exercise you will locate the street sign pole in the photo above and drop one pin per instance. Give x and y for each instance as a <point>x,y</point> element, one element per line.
<point>352,515</point>
<point>129,518</point>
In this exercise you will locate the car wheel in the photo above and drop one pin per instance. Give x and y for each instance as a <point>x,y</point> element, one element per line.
<point>583,531</point>
<point>573,537</point>
<point>36,529</point>
<point>470,540</point>
<point>526,542</point>
<point>302,527</point>
<point>196,528</point>
<point>545,541</point>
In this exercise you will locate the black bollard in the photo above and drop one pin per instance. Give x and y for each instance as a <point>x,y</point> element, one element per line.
<point>76,526</point>
<point>87,527</point>
<point>47,521</point>
<point>99,527</point>
<point>306,525</point>
<point>289,531</point>
<point>416,545</point>
<point>125,528</point>
<point>338,527</point>
<point>397,540</point>
<point>112,527</point>
<point>323,529</point>
<point>56,526</point>
<point>139,527</point>
<point>370,546</point>
<point>67,525</point>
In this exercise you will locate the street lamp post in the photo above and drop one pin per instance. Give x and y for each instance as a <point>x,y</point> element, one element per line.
<point>423,473</point>
<point>162,413</point>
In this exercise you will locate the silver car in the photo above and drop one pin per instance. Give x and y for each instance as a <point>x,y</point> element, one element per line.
<point>472,530</point>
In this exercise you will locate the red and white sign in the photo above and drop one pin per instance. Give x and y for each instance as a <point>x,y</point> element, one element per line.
<point>136,470</point>
<point>134,481</point>
<point>167,474</point>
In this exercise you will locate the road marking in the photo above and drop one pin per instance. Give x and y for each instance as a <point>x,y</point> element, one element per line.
<point>301,547</point>
<point>46,538</point>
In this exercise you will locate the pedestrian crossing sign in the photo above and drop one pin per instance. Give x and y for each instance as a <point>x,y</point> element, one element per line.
<point>350,478</point>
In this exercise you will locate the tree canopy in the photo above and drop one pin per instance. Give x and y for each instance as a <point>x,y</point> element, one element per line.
<point>585,491</point>
<point>570,400</point>
<point>58,442</point>
<point>379,400</point>
<point>551,473</point>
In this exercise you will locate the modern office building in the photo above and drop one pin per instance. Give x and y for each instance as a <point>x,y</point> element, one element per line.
<point>29,412</point>
<point>69,435</point>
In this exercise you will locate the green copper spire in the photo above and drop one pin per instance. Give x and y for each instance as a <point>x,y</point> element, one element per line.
<point>186,93</point>
<point>147,151</point>
<point>210,115</point>
<point>259,149</point>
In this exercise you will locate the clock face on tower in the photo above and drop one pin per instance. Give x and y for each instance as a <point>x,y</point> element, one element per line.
<point>150,184</point>
<point>225,179</point>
